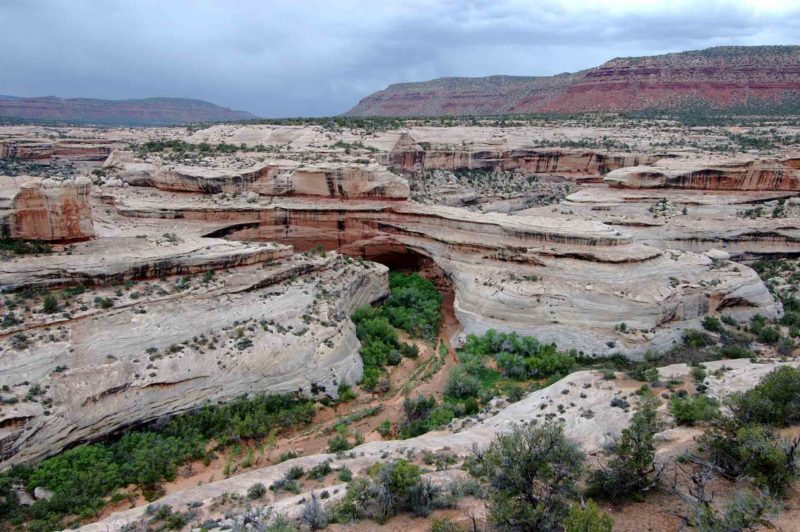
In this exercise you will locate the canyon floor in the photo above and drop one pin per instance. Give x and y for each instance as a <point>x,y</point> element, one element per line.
<point>148,272</point>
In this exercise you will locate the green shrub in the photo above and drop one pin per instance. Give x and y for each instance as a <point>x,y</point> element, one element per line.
<point>747,511</point>
<point>518,357</point>
<point>775,400</point>
<point>754,451</point>
<point>413,305</point>
<point>314,515</point>
<point>588,519</point>
<point>757,323</point>
<point>632,468</point>
<point>81,477</point>
<point>256,491</point>
<point>769,335</point>
<point>345,475</point>
<point>532,473</point>
<point>735,351</point>
<point>691,410</point>
<point>320,471</point>
<point>345,393</point>
<point>409,350</point>
<point>385,428</point>
<point>712,324</point>
<point>50,305</point>
<point>696,339</point>
<point>397,486</point>
<point>461,385</point>
<point>699,374</point>
<point>423,414</point>
<point>338,444</point>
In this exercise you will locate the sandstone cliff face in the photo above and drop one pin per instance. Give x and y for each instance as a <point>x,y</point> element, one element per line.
<point>720,78</point>
<point>275,179</point>
<point>764,78</point>
<point>73,149</point>
<point>711,174</point>
<point>294,315</point>
<point>34,209</point>
<point>408,155</point>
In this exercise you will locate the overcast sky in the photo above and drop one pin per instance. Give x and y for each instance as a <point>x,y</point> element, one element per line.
<point>280,58</point>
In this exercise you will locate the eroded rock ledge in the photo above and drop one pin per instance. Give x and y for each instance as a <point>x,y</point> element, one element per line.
<point>170,351</point>
<point>408,155</point>
<point>712,174</point>
<point>277,178</point>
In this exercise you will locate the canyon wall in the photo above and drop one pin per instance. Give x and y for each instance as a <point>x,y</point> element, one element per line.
<point>764,79</point>
<point>274,179</point>
<point>711,174</point>
<point>35,209</point>
<point>407,155</point>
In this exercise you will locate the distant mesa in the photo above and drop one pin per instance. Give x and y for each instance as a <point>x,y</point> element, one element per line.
<point>736,79</point>
<point>143,112</point>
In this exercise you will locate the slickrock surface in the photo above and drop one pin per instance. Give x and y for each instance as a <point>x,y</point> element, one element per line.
<point>36,209</point>
<point>714,174</point>
<point>166,350</point>
<point>585,415</point>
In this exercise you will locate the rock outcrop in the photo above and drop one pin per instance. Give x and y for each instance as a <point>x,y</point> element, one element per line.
<point>72,149</point>
<point>120,259</point>
<point>765,79</point>
<point>711,174</point>
<point>285,328</point>
<point>45,209</point>
<point>555,277</point>
<point>285,178</point>
<point>408,155</point>
<point>745,224</point>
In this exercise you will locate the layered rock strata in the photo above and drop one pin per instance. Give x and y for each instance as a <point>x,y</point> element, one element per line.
<point>555,277</point>
<point>287,178</point>
<point>755,79</point>
<point>285,328</point>
<point>83,150</point>
<point>36,209</point>
<point>711,174</point>
<point>745,225</point>
<point>408,155</point>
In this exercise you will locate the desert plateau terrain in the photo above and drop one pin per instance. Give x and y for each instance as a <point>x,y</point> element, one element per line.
<point>401,324</point>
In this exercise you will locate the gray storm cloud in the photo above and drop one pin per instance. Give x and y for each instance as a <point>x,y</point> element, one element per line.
<point>305,58</point>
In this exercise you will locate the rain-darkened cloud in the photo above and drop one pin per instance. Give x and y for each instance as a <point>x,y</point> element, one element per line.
<point>317,57</point>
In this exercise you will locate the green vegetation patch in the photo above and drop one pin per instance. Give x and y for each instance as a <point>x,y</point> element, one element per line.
<point>81,478</point>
